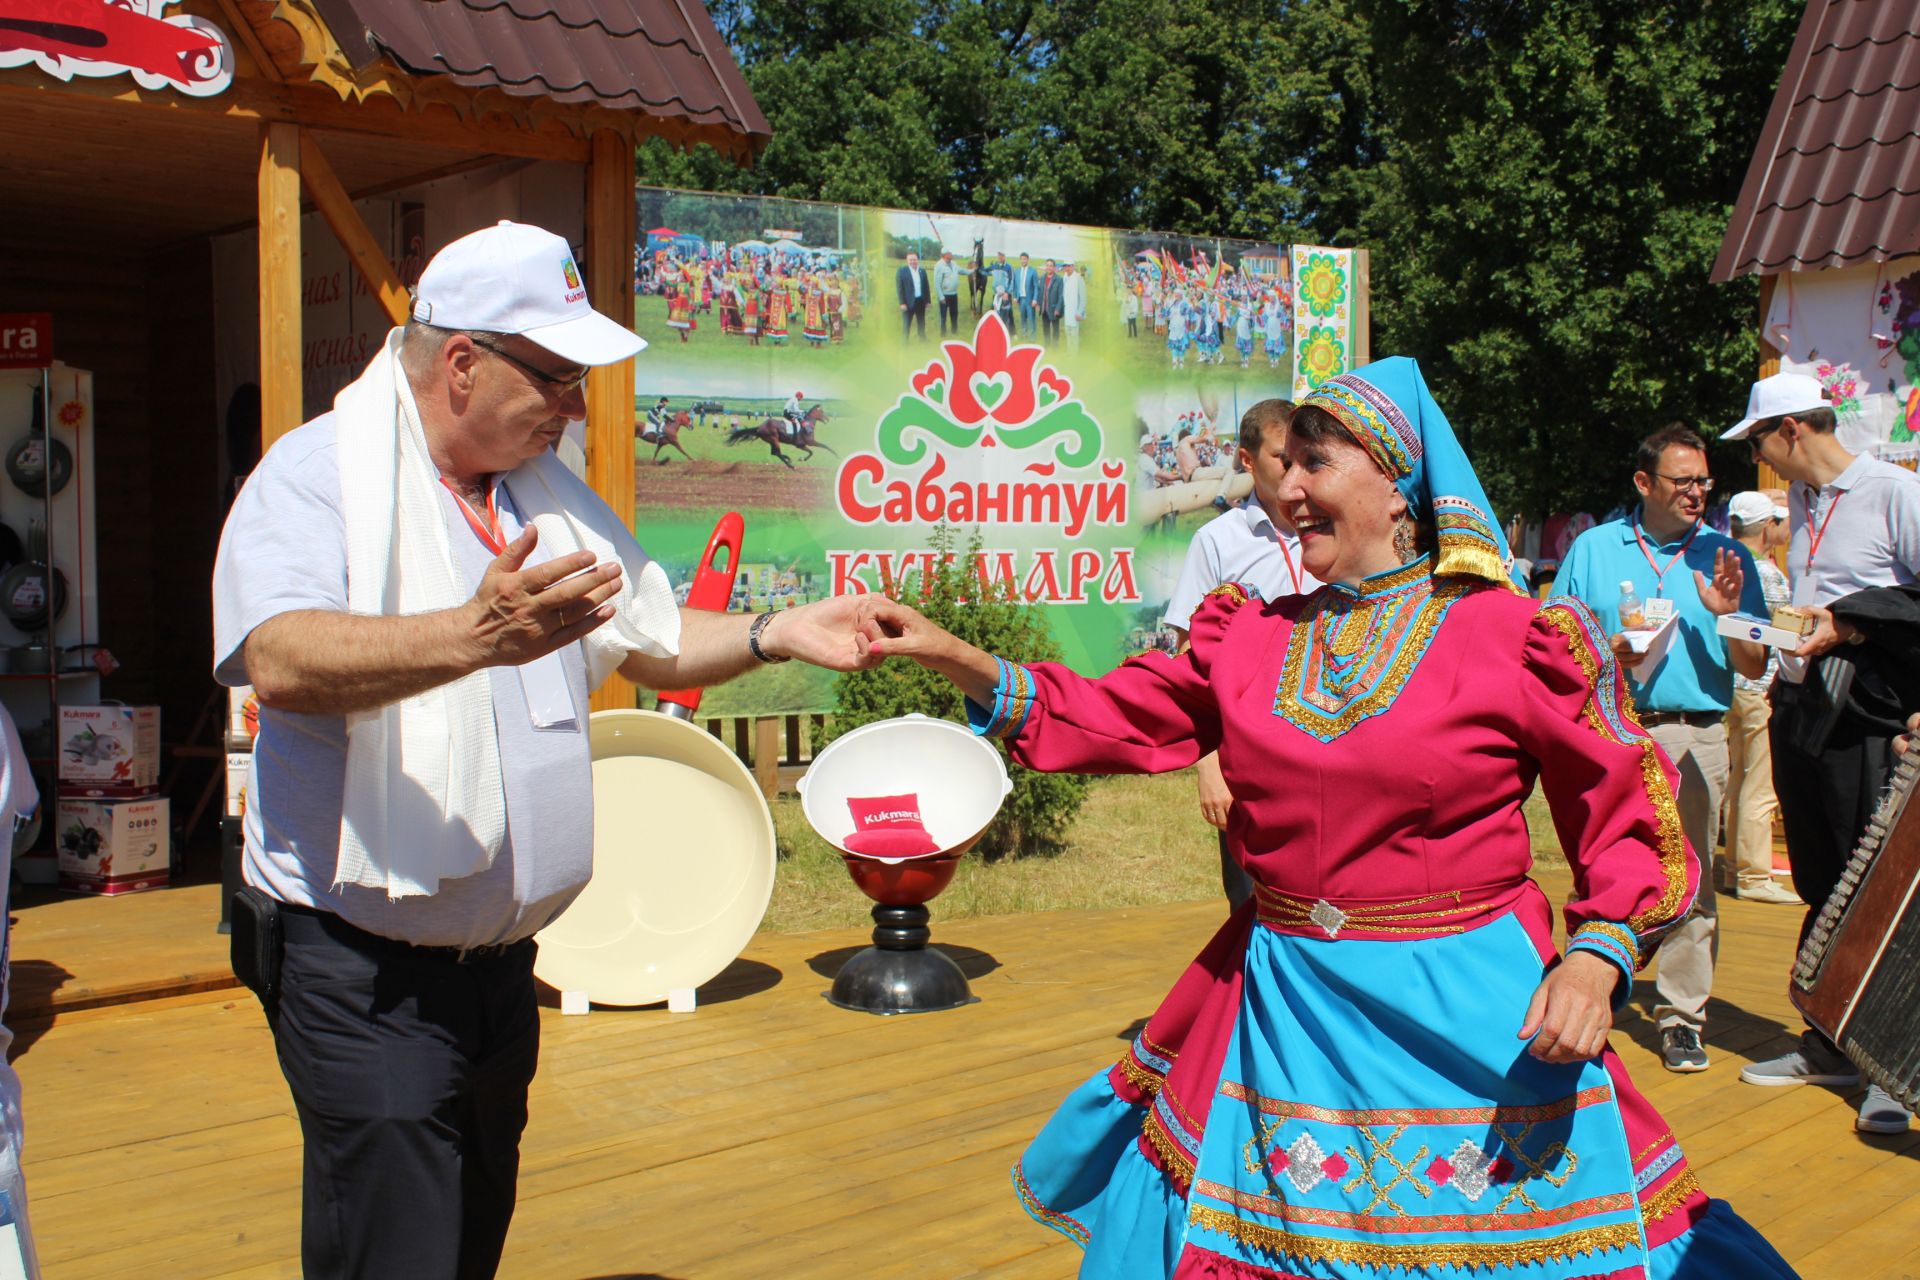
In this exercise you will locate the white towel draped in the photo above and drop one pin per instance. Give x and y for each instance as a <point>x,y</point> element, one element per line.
<point>424,799</point>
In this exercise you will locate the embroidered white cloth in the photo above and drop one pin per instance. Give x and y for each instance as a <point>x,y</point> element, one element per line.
<point>424,798</point>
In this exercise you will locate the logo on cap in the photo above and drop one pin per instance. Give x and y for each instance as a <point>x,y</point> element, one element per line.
<point>573,275</point>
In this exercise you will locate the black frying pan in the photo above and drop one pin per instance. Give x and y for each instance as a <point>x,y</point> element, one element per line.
<point>37,463</point>
<point>30,595</point>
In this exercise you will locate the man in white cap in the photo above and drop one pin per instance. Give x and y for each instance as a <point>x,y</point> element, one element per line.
<point>423,598</point>
<point>1759,525</point>
<point>1854,523</point>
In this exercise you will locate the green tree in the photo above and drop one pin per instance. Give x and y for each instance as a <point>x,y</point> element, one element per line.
<point>1036,815</point>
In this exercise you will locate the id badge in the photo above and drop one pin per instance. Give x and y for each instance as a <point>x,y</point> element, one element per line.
<point>1659,612</point>
<point>549,701</point>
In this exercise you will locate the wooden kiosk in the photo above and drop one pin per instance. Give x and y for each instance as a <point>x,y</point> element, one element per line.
<point>137,134</point>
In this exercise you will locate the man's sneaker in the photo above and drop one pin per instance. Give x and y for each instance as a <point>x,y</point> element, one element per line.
<point>1771,892</point>
<point>1879,1113</point>
<point>1811,1063</point>
<point>1681,1050</point>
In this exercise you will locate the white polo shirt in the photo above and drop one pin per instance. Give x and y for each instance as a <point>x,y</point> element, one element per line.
<point>1861,530</point>
<point>1244,546</point>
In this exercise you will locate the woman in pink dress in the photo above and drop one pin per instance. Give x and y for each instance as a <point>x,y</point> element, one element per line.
<point>1380,1066</point>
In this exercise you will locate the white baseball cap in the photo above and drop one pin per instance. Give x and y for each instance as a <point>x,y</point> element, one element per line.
<point>516,278</point>
<point>1777,396</point>
<point>1752,507</point>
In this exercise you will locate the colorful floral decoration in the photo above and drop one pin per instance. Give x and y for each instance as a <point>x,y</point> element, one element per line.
<point>72,413</point>
<point>1323,355</point>
<point>984,389</point>
<point>1842,385</point>
<point>1323,285</point>
<point>1903,301</point>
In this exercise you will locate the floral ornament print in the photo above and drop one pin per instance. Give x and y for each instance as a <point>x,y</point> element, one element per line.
<point>1323,285</point>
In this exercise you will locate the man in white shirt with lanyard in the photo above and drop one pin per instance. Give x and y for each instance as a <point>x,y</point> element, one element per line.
<point>1251,544</point>
<point>423,599</point>
<point>1855,524</point>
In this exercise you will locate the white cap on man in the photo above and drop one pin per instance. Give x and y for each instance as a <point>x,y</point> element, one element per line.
<point>516,278</point>
<point>1776,397</point>
<point>1753,507</point>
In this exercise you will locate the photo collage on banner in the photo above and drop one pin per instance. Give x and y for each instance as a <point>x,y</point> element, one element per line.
<point>850,379</point>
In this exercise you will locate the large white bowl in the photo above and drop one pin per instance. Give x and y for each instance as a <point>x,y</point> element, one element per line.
<point>683,863</point>
<point>958,776</point>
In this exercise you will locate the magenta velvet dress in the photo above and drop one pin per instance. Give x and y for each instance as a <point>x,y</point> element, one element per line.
<point>1336,1087</point>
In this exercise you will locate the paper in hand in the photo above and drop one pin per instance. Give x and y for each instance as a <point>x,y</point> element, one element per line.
<point>1654,645</point>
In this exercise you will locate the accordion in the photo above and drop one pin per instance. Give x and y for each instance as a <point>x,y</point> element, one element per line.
<point>1858,976</point>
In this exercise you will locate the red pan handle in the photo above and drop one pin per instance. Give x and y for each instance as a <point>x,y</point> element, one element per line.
<point>712,590</point>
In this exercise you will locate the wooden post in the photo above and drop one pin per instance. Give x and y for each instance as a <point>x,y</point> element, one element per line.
<point>336,206</point>
<point>280,394</point>
<point>1362,308</point>
<point>1769,367</point>
<point>766,756</point>
<point>610,231</point>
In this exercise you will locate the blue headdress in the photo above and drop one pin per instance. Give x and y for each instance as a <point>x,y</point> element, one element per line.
<point>1390,413</point>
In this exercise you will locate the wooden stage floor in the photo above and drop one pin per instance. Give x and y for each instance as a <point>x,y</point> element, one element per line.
<point>770,1134</point>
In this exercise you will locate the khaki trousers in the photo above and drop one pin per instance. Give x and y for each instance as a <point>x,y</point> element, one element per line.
<point>1686,956</point>
<point>1750,799</point>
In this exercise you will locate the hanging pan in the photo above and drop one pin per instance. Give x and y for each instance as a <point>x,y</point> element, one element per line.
<point>37,463</point>
<point>683,845</point>
<point>31,595</point>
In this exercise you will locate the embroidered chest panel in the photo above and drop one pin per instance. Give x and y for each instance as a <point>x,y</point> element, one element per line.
<point>1350,656</point>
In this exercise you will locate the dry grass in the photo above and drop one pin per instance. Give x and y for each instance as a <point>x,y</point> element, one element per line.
<point>1137,842</point>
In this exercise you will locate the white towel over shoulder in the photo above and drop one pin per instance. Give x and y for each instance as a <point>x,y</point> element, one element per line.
<point>425,800</point>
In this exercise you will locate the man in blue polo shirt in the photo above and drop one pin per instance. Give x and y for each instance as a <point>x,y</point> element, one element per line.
<point>1678,566</point>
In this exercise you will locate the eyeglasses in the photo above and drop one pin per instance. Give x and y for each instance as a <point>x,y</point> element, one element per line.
<point>561,387</point>
<point>1755,437</point>
<point>1683,483</point>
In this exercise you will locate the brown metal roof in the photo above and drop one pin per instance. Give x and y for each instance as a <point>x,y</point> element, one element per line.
<point>662,58</point>
<point>1835,179</point>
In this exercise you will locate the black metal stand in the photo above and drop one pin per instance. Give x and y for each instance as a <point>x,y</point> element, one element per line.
<point>900,973</point>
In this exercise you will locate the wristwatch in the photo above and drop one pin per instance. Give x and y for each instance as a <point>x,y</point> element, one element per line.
<point>753,640</point>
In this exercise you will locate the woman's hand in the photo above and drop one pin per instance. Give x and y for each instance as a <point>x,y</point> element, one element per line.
<point>1215,799</point>
<point>901,631</point>
<point>1572,1009</point>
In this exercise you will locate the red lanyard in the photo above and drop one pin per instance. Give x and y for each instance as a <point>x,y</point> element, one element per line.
<point>489,531</point>
<point>1293,571</point>
<point>1813,537</point>
<point>1659,574</point>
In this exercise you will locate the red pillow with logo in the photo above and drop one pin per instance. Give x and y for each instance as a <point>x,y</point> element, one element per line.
<point>889,827</point>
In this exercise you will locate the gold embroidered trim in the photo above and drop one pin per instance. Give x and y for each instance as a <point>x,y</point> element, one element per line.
<point>1232,590</point>
<point>1474,560</point>
<point>1172,1154</point>
<point>1670,1197</point>
<point>1405,1224</point>
<point>1651,1147</point>
<point>1157,1049</point>
<point>1069,1227</point>
<point>1147,1082</point>
<point>1625,937</point>
<point>1418,636</point>
<point>1466,1253</point>
<point>1532,1114</point>
<point>1672,838</point>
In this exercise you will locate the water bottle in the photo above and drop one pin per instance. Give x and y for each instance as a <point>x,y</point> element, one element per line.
<point>1633,611</point>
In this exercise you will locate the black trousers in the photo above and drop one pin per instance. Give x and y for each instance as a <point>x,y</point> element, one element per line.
<point>1234,880</point>
<point>409,1070</point>
<point>915,313</point>
<point>1826,798</point>
<point>949,311</point>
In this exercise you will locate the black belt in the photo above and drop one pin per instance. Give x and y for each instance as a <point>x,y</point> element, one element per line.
<point>1697,719</point>
<point>311,923</point>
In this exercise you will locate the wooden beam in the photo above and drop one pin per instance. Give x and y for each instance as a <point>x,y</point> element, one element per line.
<point>280,393</point>
<point>1769,365</point>
<point>238,24</point>
<point>336,206</point>
<point>609,266</point>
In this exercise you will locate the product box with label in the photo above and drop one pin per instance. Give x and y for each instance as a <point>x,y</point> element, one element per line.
<point>238,763</point>
<point>1744,626</point>
<point>109,752</point>
<point>243,717</point>
<point>112,846</point>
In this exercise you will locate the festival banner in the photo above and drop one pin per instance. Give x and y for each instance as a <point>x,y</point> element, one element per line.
<point>1069,395</point>
<point>1324,307</point>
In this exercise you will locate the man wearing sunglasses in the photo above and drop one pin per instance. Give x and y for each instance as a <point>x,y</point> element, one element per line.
<point>1680,569</point>
<point>1854,525</point>
<point>423,598</point>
